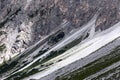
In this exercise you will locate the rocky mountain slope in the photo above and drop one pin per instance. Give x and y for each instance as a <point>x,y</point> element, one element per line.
<point>24,23</point>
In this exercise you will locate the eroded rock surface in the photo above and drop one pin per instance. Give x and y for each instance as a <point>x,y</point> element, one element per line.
<point>24,22</point>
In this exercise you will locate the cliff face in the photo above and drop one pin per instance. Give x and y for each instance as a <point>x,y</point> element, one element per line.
<point>25,22</point>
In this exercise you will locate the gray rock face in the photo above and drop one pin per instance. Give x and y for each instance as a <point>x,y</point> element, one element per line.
<point>25,22</point>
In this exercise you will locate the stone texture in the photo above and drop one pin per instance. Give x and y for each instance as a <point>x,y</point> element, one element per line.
<point>24,22</point>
